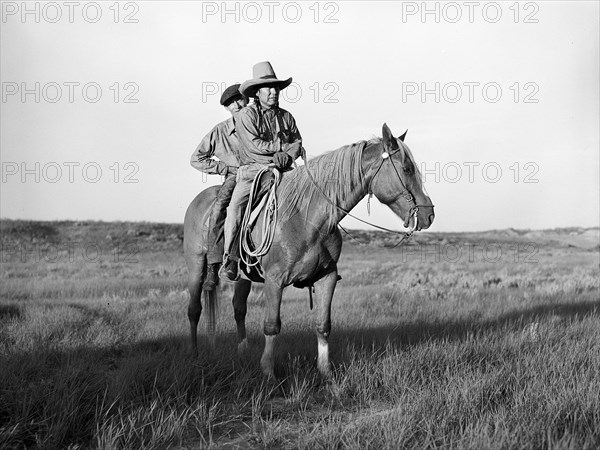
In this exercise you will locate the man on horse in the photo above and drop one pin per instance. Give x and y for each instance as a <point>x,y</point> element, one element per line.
<point>223,143</point>
<point>269,135</point>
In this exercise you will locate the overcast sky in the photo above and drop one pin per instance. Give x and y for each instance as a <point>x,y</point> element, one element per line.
<point>500,99</point>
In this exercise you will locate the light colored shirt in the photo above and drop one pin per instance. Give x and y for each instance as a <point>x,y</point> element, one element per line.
<point>258,130</point>
<point>222,142</point>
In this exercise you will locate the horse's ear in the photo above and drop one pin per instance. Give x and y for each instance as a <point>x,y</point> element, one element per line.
<point>403,136</point>
<point>388,138</point>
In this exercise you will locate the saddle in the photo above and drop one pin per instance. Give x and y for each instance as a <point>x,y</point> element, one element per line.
<point>263,202</point>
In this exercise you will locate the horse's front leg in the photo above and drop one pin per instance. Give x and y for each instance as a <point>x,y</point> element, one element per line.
<point>272,325</point>
<point>240,306</point>
<point>324,289</point>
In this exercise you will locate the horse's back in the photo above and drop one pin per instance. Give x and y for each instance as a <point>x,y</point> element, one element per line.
<point>195,222</point>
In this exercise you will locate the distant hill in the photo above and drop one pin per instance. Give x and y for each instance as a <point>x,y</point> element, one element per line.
<point>164,236</point>
<point>146,235</point>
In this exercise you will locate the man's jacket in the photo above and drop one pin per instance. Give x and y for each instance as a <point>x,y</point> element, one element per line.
<point>262,133</point>
<point>222,142</point>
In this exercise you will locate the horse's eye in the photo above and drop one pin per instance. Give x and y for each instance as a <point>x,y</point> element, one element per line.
<point>408,169</point>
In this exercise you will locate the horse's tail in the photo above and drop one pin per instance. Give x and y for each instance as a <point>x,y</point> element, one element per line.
<point>211,305</point>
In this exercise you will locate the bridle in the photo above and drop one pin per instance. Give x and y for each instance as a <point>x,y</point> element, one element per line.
<point>413,211</point>
<point>408,196</point>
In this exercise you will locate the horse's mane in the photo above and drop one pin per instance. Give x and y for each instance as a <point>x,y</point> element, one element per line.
<point>338,173</point>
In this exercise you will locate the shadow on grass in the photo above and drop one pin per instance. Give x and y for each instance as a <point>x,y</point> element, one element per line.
<point>413,333</point>
<point>301,343</point>
<point>10,311</point>
<point>377,337</point>
<point>83,376</point>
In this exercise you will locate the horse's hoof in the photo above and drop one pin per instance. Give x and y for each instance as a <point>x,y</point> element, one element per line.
<point>268,371</point>
<point>274,387</point>
<point>325,371</point>
<point>243,348</point>
<point>212,343</point>
<point>333,389</point>
<point>269,375</point>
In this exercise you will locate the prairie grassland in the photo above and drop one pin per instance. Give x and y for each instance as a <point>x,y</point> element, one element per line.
<point>434,345</point>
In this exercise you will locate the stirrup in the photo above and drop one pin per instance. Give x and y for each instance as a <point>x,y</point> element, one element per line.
<point>225,274</point>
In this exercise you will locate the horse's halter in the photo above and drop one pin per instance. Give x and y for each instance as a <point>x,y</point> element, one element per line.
<point>408,196</point>
<point>414,209</point>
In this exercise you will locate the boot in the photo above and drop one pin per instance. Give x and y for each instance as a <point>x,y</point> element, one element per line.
<point>212,277</point>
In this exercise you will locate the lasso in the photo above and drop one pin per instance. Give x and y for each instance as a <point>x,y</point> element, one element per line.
<point>248,250</point>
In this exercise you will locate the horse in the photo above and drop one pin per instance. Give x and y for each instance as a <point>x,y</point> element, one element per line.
<point>307,243</point>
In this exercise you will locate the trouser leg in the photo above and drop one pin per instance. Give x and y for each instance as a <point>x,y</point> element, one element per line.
<point>215,241</point>
<point>235,210</point>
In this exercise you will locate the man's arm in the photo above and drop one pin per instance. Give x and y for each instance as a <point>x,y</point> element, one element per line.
<point>202,158</point>
<point>294,148</point>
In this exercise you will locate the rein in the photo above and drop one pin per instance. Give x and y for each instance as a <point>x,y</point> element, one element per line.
<point>413,212</point>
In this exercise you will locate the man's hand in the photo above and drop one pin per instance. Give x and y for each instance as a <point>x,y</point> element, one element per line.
<point>294,149</point>
<point>282,160</point>
<point>222,168</point>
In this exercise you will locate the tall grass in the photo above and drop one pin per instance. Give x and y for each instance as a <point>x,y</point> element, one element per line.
<point>425,354</point>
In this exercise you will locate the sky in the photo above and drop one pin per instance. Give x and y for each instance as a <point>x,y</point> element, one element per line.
<point>104,103</point>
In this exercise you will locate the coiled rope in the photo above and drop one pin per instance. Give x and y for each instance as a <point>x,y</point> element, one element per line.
<point>249,251</point>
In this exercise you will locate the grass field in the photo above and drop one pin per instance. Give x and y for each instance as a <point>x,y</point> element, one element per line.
<point>474,340</point>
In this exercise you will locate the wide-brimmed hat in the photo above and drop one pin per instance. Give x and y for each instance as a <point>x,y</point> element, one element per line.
<point>262,75</point>
<point>230,94</point>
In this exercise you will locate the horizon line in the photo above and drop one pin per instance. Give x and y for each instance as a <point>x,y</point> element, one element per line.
<point>355,229</point>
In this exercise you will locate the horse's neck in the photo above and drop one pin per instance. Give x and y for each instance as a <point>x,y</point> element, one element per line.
<point>353,197</point>
<point>347,204</point>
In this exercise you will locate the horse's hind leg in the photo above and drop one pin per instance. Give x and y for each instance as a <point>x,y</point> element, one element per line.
<point>324,289</point>
<point>240,302</point>
<point>195,279</point>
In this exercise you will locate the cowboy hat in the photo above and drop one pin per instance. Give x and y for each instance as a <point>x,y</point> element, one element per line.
<point>230,94</point>
<point>262,75</point>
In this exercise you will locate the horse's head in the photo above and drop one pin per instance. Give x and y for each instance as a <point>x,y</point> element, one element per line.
<point>396,182</point>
